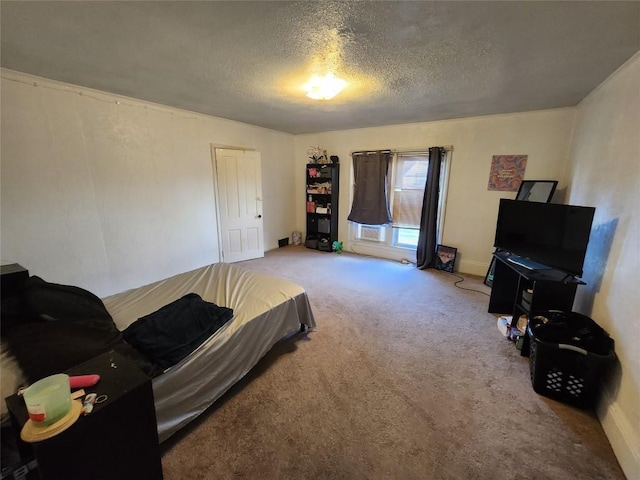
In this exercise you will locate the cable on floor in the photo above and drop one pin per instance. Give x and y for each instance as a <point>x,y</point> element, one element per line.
<point>460,280</point>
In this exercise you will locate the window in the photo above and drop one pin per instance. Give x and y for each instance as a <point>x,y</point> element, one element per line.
<point>409,178</point>
<point>406,192</point>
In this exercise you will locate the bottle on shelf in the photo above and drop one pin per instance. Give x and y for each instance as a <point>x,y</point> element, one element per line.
<point>311,205</point>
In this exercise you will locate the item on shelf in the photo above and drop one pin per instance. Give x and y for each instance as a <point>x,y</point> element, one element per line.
<point>527,295</point>
<point>81,381</point>
<point>322,210</point>
<point>311,242</point>
<point>320,188</point>
<point>325,245</point>
<point>324,225</point>
<point>88,403</point>
<point>324,172</point>
<point>32,432</point>
<point>311,205</point>
<point>317,154</point>
<point>48,399</point>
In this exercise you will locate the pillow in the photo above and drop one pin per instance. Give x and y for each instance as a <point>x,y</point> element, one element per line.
<point>177,329</point>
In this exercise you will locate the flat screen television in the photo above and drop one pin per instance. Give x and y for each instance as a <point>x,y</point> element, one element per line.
<point>544,235</point>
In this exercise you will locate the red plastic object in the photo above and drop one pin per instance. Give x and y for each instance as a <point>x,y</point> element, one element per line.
<point>82,381</point>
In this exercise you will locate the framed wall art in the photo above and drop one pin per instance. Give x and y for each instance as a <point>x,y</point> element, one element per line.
<point>445,258</point>
<point>507,172</point>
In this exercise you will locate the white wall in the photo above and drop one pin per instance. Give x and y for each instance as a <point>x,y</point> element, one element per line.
<point>471,211</point>
<point>109,193</point>
<point>605,173</point>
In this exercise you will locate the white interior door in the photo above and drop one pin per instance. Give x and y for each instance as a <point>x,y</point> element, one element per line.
<point>239,180</point>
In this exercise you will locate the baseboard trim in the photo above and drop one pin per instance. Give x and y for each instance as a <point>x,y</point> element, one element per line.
<point>624,440</point>
<point>473,268</point>
<point>398,254</point>
<point>380,250</point>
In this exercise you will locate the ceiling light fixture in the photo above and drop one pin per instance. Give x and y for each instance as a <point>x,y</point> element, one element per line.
<point>324,88</point>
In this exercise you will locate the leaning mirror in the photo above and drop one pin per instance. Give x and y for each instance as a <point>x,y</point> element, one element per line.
<point>536,190</point>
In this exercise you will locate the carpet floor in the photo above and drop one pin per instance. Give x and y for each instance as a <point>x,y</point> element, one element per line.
<point>405,377</point>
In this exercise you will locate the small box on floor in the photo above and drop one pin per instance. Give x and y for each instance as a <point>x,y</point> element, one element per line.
<point>504,323</point>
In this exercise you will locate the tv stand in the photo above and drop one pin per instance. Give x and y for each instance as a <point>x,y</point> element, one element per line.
<point>552,289</point>
<point>527,263</point>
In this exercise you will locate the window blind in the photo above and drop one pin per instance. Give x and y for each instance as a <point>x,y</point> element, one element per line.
<point>408,189</point>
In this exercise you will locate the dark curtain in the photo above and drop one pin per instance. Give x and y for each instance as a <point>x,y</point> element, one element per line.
<point>427,241</point>
<point>370,202</point>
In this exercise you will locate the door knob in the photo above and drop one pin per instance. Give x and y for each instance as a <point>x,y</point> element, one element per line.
<point>259,216</point>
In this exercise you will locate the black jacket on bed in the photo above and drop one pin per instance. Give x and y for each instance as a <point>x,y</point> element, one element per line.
<point>177,329</point>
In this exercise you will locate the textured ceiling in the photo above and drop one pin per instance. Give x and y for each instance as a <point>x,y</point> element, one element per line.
<point>404,61</point>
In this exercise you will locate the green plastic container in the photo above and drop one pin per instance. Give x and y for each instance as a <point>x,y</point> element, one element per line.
<point>48,400</point>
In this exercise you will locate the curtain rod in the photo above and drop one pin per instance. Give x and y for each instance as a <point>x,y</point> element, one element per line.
<point>448,148</point>
<point>371,152</point>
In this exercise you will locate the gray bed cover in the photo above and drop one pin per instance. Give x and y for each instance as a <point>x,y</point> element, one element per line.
<point>266,309</point>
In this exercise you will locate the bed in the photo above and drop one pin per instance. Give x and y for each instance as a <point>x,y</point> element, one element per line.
<point>265,310</point>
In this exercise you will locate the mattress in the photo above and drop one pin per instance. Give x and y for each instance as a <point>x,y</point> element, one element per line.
<point>266,309</point>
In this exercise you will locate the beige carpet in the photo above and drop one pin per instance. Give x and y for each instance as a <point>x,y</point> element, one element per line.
<point>406,377</point>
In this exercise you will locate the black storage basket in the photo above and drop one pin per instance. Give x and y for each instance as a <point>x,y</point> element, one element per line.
<point>568,358</point>
<point>311,242</point>
<point>324,244</point>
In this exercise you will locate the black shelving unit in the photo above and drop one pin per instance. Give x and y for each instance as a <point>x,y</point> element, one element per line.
<point>323,188</point>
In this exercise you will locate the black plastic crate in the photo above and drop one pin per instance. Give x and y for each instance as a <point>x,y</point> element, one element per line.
<point>569,356</point>
<point>311,242</point>
<point>324,244</point>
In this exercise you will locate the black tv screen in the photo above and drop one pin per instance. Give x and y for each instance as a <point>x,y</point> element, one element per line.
<point>551,234</point>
